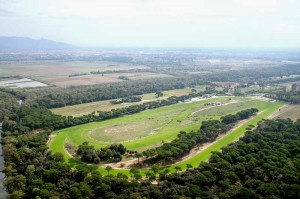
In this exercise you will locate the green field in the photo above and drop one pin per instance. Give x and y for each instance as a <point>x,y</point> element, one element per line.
<point>149,128</point>
<point>86,108</point>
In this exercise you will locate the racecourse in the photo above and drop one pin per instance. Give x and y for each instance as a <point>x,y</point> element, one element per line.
<point>149,128</point>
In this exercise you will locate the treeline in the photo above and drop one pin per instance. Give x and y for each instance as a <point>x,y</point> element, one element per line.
<point>8,102</point>
<point>112,153</point>
<point>127,99</point>
<point>260,75</point>
<point>208,132</point>
<point>228,119</point>
<point>138,70</point>
<point>60,97</point>
<point>284,80</point>
<point>292,96</point>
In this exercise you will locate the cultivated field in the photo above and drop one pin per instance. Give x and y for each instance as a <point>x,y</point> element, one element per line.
<point>57,72</point>
<point>86,108</point>
<point>149,128</point>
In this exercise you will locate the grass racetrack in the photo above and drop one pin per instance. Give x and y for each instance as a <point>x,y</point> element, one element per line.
<point>148,128</point>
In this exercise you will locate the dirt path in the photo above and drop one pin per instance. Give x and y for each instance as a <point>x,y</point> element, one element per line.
<point>51,136</point>
<point>126,164</point>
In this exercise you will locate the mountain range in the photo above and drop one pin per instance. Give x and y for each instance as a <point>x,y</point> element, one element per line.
<point>25,43</point>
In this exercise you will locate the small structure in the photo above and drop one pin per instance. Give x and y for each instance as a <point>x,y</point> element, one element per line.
<point>206,96</point>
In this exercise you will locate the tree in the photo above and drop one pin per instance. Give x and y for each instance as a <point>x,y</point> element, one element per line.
<point>58,157</point>
<point>134,171</point>
<point>189,166</point>
<point>151,176</point>
<point>158,94</point>
<point>194,191</point>
<point>178,168</point>
<point>75,193</point>
<point>17,195</point>
<point>267,190</point>
<point>108,169</point>
<point>16,183</point>
<point>155,169</point>
<point>137,176</point>
<point>164,173</point>
<point>138,156</point>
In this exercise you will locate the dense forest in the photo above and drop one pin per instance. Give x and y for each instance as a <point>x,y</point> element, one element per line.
<point>112,153</point>
<point>8,101</point>
<point>53,98</point>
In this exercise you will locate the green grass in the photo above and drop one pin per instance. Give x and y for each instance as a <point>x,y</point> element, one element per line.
<point>170,120</point>
<point>123,131</point>
<point>177,118</point>
<point>230,108</point>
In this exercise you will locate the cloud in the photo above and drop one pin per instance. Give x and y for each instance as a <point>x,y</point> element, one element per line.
<point>5,12</point>
<point>159,22</point>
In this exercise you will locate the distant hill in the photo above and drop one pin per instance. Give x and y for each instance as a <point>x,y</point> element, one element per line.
<point>25,43</point>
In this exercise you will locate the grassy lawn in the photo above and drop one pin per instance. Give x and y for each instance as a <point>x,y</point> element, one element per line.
<point>171,118</point>
<point>86,108</point>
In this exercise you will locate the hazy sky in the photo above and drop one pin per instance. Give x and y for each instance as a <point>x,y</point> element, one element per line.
<point>156,23</point>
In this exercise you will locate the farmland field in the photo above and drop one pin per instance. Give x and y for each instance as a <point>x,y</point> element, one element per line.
<point>86,108</point>
<point>58,72</point>
<point>149,128</point>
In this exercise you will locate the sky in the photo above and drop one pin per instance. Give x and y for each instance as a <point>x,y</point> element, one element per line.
<point>156,23</point>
